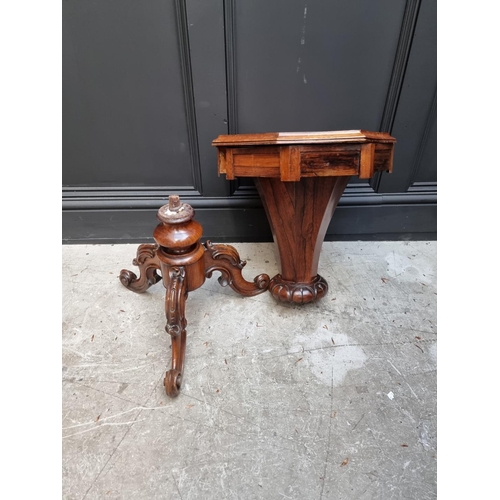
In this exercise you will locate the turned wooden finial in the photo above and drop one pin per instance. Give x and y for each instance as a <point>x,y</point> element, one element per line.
<point>174,203</point>
<point>175,212</point>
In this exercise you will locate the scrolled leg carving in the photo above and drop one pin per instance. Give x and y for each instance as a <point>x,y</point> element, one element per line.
<point>175,304</point>
<point>298,293</point>
<point>148,263</point>
<point>226,260</point>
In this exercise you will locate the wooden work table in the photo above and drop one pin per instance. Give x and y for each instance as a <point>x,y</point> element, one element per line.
<point>300,178</point>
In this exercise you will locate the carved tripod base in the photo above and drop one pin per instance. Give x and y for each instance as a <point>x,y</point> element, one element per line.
<point>185,263</point>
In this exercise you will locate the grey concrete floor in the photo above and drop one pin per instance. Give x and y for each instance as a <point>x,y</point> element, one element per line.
<point>331,400</point>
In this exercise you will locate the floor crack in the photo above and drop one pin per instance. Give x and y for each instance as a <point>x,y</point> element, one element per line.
<point>329,439</point>
<point>118,445</point>
<point>176,485</point>
<point>362,417</point>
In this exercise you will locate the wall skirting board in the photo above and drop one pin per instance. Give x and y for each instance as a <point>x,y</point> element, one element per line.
<point>129,216</point>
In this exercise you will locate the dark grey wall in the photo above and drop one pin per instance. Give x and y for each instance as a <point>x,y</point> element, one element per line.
<point>148,85</point>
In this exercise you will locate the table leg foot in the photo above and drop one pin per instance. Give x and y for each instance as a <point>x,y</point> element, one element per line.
<point>172,383</point>
<point>298,293</point>
<point>148,263</point>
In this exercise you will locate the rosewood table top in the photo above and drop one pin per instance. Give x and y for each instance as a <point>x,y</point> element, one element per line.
<point>291,156</point>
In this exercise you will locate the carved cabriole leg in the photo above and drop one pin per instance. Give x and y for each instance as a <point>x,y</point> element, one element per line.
<point>299,214</point>
<point>225,258</point>
<point>148,263</point>
<point>175,303</point>
<point>182,273</point>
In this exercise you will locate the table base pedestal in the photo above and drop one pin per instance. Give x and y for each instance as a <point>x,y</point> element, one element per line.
<point>299,214</point>
<point>185,263</point>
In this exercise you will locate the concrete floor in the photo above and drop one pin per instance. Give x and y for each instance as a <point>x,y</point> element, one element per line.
<point>333,400</point>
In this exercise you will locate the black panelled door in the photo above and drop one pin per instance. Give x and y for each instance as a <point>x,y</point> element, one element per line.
<point>148,85</point>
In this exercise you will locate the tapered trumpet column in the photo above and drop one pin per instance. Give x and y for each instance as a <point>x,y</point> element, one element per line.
<point>299,214</point>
